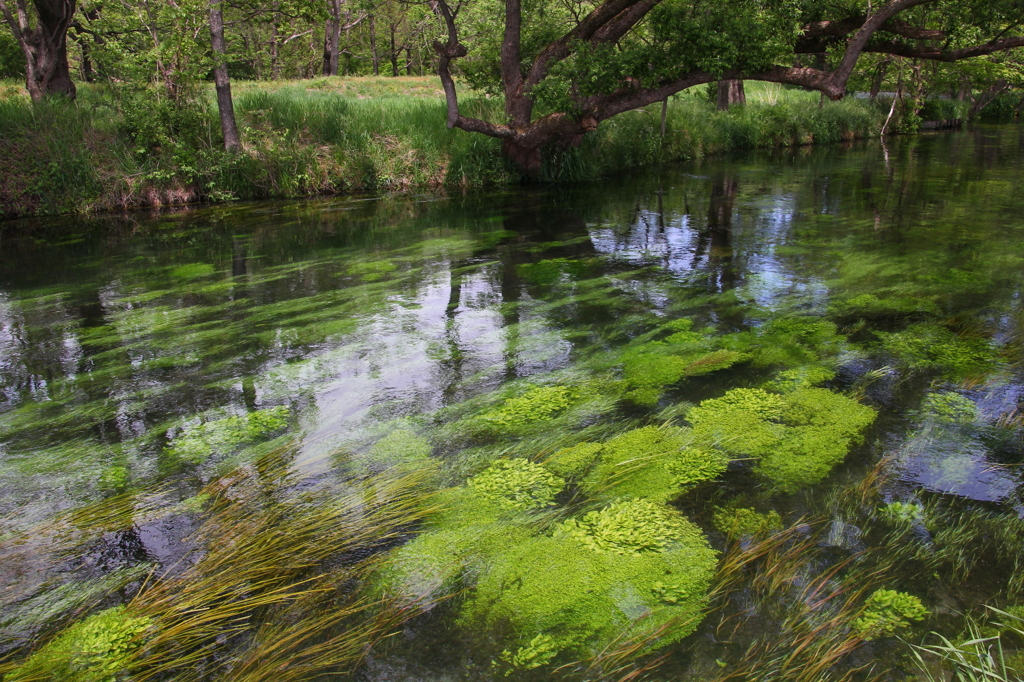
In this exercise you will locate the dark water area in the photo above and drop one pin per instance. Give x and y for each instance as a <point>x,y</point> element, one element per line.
<point>151,355</point>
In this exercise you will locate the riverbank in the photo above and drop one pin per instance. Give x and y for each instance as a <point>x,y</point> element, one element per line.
<point>115,149</point>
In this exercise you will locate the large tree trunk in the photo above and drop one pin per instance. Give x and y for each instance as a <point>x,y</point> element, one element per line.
<point>526,159</point>
<point>225,106</point>
<point>45,47</point>
<point>730,92</point>
<point>332,39</point>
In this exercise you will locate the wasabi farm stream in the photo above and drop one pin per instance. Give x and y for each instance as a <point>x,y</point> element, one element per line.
<point>756,418</point>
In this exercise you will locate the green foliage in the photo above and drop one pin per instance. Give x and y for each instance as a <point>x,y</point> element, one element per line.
<point>902,512</point>
<point>114,478</point>
<point>629,527</point>
<point>573,461</point>
<point>517,484</point>
<point>790,380</point>
<point>223,436</point>
<point>888,611</point>
<point>95,650</point>
<point>933,347</point>
<point>372,271</point>
<point>12,59</point>
<point>192,271</point>
<point>743,522</point>
<point>789,342</point>
<point>653,463</point>
<point>540,651</point>
<point>400,448</point>
<point>539,403</point>
<point>950,408</point>
<point>798,438</point>
<point>594,581</point>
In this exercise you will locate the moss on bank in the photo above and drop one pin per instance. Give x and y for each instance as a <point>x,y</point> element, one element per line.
<point>116,149</point>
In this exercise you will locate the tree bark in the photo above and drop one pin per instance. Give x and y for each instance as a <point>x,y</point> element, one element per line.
<point>225,106</point>
<point>730,92</point>
<point>373,46</point>
<point>45,47</point>
<point>394,53</point>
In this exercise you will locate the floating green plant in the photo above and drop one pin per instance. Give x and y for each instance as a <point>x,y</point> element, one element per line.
<point>871,307</point>
<point>573,461</point>
<point>633,567</point>
<point>539,403</point>
<point>800,377</point>
<point>98,649</point>
<point>371,271</point>
<point>223,436</point>
<point>517,484</point>
<point>888,611</point>
<point>933,347</point>
<point>657,463</point>
<point>902,512</point>
<point>950,408</point>
<point>798,437</point>
<point>743,522</point>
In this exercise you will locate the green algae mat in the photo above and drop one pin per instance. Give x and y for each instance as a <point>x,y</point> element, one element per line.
<point>756,419</point>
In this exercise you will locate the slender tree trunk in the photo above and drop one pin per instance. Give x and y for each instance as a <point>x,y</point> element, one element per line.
<point>730,92</point>
<point>408,61</point>
<point>394,53</point>
<point>879,79</point>
<point>332,39</point>
<point>232,142</point>
<point>275,63</point>
<point>373,45</point>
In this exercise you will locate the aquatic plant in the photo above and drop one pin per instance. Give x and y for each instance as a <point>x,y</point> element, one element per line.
<point>399,448</point>
<point>787,342</point>
<point>928,346</point>
<point>656,463</point>
<point>539,403</point>
<point>950,408</point>
<point>97,649</point>
<point>114,478</point>
<point>223,436</point>
<point>633,567</point>
<point>790,380</point>
<point>886,612</point>
<point>573,461</point>
<point>517,484</point>
<point>979,655</point>
<point>629,527</point>
<point>552,270</point>
<point>871,307</point>
<point>798,438</point>
<point>648,372</point>
<point>540,651</point>
<point>902,512</point>
<point>742,522</point>
<point>371,271</point>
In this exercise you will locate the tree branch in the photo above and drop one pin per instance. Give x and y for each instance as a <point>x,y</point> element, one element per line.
<point>940,55</point>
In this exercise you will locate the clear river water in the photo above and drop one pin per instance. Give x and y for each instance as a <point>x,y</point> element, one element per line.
<point>831,337</point>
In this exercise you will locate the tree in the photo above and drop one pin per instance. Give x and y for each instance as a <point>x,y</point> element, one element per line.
<point>561,79</point>
<point>44,45</point>
<point>225,106</point>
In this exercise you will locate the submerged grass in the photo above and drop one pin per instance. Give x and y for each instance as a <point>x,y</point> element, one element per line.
<point>116,149</point>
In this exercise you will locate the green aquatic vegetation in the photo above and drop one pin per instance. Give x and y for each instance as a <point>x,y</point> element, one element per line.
<point>652,462</point>
<point>517,484</point>
<point>192,271</point>
<point>798,438</point>
<point>888,611</point>
<point>870,307</point>
<point>950,408</point>
<point>372,271</point>
<point>933,347</point>
<point>95,650</point>
<point>539,403</point>
<point>790,380</point>
<point>742,522</point>
<point>400,448</point>
<point>540,651</point>
<point>114,478</point>
<point>595,581</point>
<point>573,461</point>
<point>902,512</point>
<point>787,342</point>
<point>553,270</point>
<point>628,527</point>
<point>223,436</point>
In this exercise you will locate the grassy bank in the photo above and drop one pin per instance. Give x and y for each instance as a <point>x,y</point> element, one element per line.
<point>117,149</point>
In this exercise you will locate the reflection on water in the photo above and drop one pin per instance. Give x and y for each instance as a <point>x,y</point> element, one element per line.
<point>362,315</point>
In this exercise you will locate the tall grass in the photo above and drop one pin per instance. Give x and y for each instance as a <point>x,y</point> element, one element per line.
<point>118,148</point>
